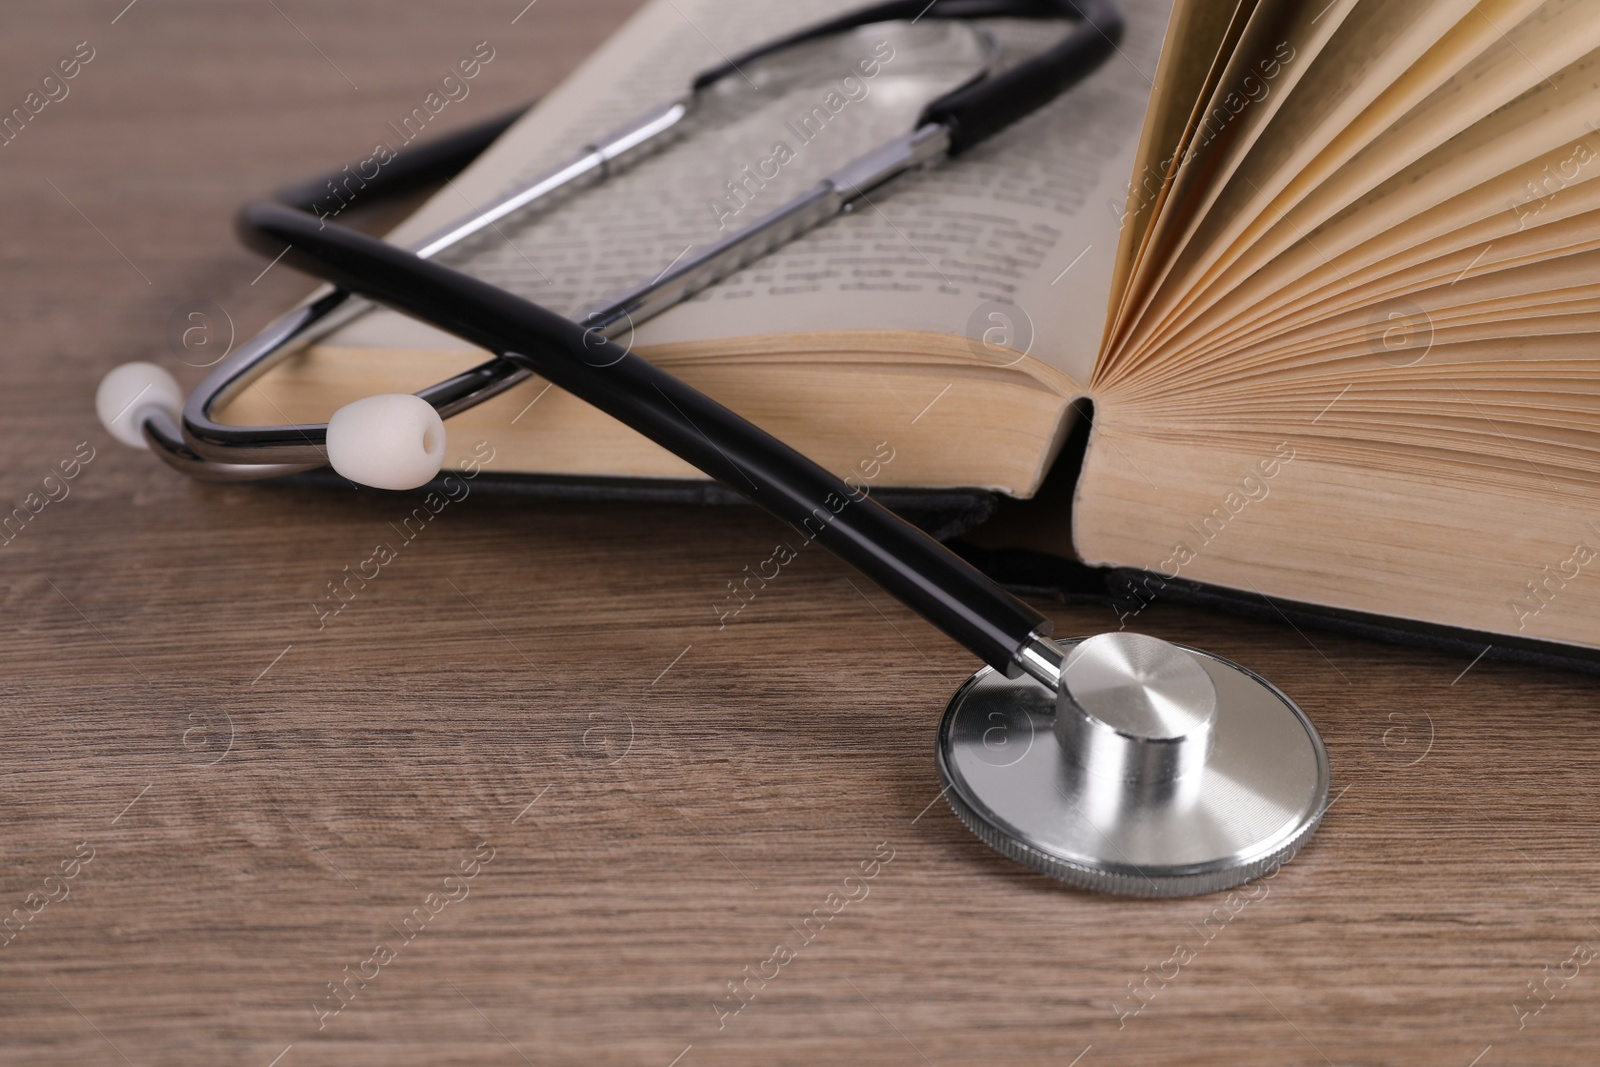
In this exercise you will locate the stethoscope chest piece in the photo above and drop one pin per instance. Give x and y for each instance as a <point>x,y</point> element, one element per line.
<point>1155,770</point>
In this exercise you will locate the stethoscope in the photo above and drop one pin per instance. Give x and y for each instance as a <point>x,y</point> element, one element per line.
<point>1117,762</point>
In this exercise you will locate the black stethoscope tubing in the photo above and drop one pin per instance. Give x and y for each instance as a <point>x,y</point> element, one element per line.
<point>910,565</point>
<point>907,563</point>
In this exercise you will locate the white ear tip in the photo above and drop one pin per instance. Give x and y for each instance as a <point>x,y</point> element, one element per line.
<point>395,441</point>
<point>128,392</point>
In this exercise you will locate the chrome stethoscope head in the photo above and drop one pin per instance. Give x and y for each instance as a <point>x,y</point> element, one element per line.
<point>1148,769</point>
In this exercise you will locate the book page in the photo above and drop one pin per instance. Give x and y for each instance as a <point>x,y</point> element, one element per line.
<point>1029,218</point>
<point>1275,181</point>
<point>1275,46</point>
<point>1183,78</point>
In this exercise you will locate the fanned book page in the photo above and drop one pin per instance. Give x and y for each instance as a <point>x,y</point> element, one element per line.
<point>1355,361</point>
<point>957,314</point>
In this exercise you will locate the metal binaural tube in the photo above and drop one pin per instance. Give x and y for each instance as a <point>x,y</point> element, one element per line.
<point>910,565</point>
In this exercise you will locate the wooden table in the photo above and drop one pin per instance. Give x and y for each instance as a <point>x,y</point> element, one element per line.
<point>212,814</point>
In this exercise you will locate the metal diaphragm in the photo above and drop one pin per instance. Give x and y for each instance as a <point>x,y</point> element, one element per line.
<point>1157,771</point>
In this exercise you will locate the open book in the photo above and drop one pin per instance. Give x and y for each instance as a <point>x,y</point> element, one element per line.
<point>1327,275</point>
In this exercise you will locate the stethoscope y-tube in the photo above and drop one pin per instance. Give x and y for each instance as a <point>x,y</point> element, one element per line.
<point>923,574</point>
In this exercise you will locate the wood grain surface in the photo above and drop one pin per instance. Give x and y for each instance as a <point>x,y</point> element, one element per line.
<point>212,812</point>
